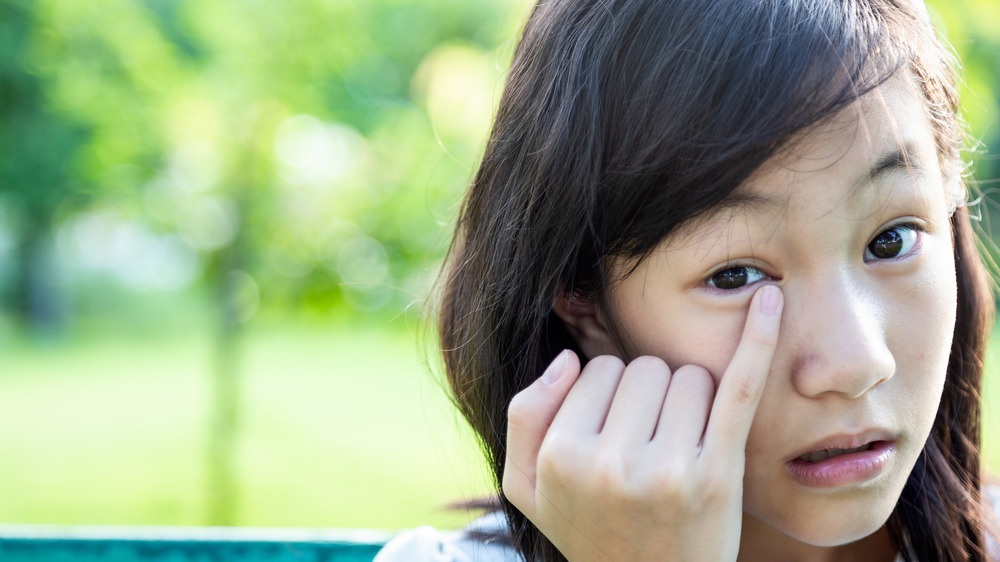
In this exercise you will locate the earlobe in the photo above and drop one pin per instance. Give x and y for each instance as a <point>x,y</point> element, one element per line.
<point>585,321</point>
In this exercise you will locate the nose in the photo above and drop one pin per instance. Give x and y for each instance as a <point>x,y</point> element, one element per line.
<point>839,330</point>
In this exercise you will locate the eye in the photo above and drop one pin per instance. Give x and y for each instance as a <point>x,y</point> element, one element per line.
<point>893,242</point>
<point>735,277</point>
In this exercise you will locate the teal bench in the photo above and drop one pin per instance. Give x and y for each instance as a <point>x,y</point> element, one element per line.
<point>43,543</point>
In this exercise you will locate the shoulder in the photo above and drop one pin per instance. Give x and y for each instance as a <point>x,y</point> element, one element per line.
<point>991,495</point>
<point>481,541</point>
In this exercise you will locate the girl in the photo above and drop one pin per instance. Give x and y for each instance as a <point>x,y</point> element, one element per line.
<point>745,220</point>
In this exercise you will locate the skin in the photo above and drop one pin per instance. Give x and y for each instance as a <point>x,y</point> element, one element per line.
<point>682,454</point>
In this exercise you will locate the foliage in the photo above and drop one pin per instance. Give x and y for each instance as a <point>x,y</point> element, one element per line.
<point>303,154</point>
<point>326,141</point>
<point>976,42</point>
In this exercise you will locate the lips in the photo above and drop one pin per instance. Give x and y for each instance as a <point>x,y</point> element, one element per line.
<point>842,443</point>
<point>844,460</point>
<point>827,453</point>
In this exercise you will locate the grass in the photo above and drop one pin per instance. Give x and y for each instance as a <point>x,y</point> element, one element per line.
<point>341,428</point>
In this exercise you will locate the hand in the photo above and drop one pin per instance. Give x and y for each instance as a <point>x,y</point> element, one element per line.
<point>635,463</point>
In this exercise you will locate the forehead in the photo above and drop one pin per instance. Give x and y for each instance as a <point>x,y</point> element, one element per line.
<point>885,132</point>
<point>890,117</point>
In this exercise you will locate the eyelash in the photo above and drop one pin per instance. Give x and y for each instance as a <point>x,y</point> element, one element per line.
<point>747,271</point>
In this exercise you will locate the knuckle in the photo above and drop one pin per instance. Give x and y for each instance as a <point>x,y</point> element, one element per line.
<point>648,363</point>
<point>510,485</point>
<point>618,482</point>
<point>605,363</point>
<point>610,469</point>
<point>715,488</point>
<point>652,376</point>
<point>518,497</point>
<point>520,409</point>
<point>556,445</point>
<point>694,376</point>
<point>670,483</point>
<point>557,459</point>
<point>745,390</point>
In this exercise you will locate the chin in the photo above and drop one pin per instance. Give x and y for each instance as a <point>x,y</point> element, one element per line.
<point>832,521</point>
<point>831,537</point>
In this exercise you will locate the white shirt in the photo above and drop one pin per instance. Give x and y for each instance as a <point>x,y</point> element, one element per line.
<point>426,544</point>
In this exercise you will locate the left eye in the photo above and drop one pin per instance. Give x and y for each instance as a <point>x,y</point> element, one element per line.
<point>892,243</point>
<point>735,277</point>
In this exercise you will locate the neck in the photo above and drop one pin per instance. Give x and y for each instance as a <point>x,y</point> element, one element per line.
<point>760,542</point>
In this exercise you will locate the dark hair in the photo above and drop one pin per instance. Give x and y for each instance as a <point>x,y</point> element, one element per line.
<point>622,119</point>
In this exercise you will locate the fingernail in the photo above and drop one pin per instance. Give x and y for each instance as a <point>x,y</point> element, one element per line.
<point>770,299</point>
<point>556,369</point>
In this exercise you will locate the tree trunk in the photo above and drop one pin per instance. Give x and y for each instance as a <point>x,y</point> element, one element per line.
<point>39,303</point>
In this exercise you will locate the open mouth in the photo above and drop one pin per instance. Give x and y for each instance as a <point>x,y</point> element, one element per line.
<point>817,456</point>
<point>833,468</point>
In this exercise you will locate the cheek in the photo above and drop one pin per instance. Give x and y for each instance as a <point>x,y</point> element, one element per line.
<point>693,336</point>
<point>923,311</point>
<point>923,340</point>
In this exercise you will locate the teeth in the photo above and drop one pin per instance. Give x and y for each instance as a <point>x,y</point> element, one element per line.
<point>827,453</point>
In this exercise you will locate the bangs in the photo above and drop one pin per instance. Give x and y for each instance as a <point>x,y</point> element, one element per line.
<point>703,105</point>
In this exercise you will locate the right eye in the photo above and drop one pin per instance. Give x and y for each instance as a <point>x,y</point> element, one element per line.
<point>735,278</point>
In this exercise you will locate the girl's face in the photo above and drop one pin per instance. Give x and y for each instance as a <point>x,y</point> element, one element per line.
<point>852,222</point>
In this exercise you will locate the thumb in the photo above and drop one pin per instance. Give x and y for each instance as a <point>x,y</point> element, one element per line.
<point>529,416</point>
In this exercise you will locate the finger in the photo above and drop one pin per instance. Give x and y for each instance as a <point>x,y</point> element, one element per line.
<point>685,411</point>
<point>743,382</point>
<point>586,407</point>
<point>637,403</point>
<point>529,416</point>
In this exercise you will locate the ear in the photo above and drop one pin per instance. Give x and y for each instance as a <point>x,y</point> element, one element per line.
<point>585,321</point>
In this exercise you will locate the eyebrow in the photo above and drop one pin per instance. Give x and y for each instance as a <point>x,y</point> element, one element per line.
<point>901,158</point>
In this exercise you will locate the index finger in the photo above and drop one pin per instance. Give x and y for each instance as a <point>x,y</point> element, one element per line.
<point>743,382</point>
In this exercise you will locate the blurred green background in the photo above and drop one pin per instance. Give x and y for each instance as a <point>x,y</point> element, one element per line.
<point>219,221</point>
